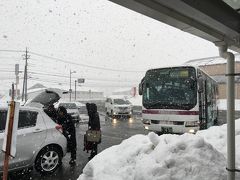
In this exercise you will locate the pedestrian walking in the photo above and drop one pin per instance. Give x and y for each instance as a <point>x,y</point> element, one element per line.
<point>93,124</point>
<point>69,132</point>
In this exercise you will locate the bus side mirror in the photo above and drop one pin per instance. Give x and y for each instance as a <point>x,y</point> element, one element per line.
<point>200,84</point>
<point>140,87</point>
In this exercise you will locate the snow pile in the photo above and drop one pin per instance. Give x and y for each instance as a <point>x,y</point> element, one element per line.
<point>217,136</point>
<point>152,157</point>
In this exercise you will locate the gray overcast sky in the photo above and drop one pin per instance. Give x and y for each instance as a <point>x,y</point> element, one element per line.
<point>93,32</point>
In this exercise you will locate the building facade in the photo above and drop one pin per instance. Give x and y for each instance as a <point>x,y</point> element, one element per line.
<point>216,68</point>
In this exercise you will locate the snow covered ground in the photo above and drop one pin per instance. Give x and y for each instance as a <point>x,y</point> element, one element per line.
<point>167,157</point>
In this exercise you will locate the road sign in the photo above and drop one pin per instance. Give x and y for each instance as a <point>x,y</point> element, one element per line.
<point>81,80</point>
<point>17,79</point>
<point>16,69</point>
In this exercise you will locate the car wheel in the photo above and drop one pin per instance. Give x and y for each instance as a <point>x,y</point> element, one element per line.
<point>48,160</point>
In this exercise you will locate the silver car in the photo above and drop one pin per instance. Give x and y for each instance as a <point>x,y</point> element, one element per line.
<point>40,142</point>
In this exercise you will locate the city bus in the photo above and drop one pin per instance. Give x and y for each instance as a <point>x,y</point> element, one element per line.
<point>178,100</point>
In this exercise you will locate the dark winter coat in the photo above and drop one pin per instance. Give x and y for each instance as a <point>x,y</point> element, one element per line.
<point>94,120</point>
<point>68,130</point>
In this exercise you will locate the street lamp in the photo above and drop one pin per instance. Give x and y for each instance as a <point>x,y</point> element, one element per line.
<point>75,90</point>
<point>70,90</point>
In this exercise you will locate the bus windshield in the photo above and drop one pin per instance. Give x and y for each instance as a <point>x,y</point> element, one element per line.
<point>170,88</point>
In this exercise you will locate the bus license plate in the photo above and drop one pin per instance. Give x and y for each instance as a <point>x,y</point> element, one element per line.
<point>166,130</point>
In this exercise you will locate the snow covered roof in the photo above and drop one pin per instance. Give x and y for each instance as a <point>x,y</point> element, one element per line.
<point>37,86</point>
<point>36,90</point>
<point>210,61</point>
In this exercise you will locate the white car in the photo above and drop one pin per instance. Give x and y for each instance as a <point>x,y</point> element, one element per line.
<point>83,112</point>
<point>116,107</point>
<point>40,142</point>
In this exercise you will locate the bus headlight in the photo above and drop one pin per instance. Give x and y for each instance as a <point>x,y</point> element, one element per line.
<point>130,120</point>
<point>192,131</point>
<point>191,124</point>
<point>114,121</point>
<point>146,127</point>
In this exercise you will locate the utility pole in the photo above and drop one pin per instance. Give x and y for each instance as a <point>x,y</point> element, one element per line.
<point>75,90</point>
<point>70,90</point>
<point>17,79</point>
<point>24,93</point>
<point>23,88</point>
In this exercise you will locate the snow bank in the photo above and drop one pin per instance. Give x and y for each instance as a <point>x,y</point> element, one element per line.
<point>217,136</point>
<point>152,157</point>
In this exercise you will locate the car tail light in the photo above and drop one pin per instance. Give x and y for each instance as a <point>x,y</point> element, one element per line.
<point>59,128</point>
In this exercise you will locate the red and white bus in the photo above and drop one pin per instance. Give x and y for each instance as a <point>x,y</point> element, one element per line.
<point>178,100</point>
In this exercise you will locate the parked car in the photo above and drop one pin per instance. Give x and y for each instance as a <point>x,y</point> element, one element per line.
<point>116,106</point>
<point>83,112</point>
<point>72,109</point>
<point>40,142</point>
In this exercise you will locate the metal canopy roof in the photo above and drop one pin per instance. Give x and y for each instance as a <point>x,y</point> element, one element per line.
<point>214,20</point>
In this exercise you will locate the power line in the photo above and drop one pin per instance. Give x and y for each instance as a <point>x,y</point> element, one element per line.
<point>5,57</point>
<point>91,79</point>
<point>84,65</point>
<point>4,70</point>
<point>65,76</point>
<point>66,83</point>
<point>69,62</point>
<point>9,50</point>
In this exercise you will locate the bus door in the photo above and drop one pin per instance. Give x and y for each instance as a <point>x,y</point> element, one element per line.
<point>203,117</point>
<point>210,97</point>
<point>206,103</point>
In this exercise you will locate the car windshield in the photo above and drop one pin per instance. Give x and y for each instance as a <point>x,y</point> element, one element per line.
<point>121,101</point>
<point>68,105</point>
